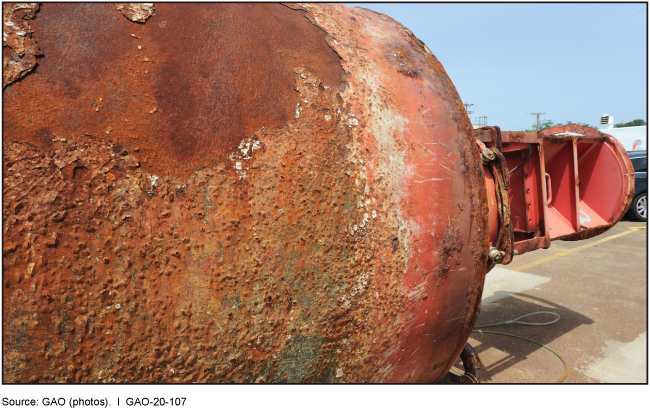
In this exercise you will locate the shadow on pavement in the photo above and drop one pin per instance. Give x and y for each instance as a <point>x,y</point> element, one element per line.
<point>517,350</point>
<point>627,218</point>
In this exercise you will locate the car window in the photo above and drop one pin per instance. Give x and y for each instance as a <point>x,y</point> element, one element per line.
<point>640,164</point>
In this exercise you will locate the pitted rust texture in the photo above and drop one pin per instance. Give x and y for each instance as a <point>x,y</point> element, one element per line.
<point>185,88</point>
<point>19,48</point>
<point>303,249</point>
<point>136,12</point>
<point>107,278</point>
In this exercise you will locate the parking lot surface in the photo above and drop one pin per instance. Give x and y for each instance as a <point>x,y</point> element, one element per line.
<point>599,289</point>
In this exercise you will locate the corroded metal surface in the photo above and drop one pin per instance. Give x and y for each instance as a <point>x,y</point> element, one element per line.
<point>185,87</point>
<point>19,48</point>
<point>137,12</point>
<point>504,241</point>
<point>237,193</point>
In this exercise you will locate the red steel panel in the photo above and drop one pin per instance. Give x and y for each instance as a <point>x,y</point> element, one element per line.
<point>613,168</point>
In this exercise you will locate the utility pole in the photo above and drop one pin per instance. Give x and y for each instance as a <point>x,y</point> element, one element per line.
<point>538,114</point>
<point>467,106</point>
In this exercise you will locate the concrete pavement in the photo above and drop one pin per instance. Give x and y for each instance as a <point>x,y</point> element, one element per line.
<point>599,289</point>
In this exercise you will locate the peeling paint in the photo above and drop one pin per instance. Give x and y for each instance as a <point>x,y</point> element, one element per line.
<point>136,12</point>
<point>18,36</point>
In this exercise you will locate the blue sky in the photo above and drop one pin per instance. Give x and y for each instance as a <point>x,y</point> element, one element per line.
<point>575,62</point>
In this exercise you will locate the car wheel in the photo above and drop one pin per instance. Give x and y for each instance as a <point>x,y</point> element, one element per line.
<point>639,208</point>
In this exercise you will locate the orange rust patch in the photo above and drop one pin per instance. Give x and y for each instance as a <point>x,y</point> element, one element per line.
<point>238,274</point>
<point>19,49</point>
<point>194,82</point>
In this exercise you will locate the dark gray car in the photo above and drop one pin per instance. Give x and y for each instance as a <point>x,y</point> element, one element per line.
<point>639,208</point>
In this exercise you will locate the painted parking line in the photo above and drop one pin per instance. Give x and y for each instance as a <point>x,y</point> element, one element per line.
<point>502,283</point>
<point>623,362</point>
<point>575,250</point>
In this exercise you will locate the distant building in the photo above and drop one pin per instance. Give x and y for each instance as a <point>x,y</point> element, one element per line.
<point>479,122</point>
<point>633,138</point>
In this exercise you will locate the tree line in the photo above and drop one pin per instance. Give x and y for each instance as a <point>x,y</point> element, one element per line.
<point>550,124</point>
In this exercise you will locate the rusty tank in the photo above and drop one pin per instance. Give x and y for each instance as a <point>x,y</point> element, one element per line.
<point>257,193</point>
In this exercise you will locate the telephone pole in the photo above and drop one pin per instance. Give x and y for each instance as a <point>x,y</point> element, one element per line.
<point>467,106</point>
<point>538,114</point>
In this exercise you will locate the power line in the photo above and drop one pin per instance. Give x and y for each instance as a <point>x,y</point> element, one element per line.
<point>538,114</point>
<point>467,106</point>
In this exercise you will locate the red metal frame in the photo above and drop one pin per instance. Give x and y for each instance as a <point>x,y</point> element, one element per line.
<point>590,181</point>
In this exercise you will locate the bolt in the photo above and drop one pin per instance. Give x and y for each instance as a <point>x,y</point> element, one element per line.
<point>487,155</point>
<point>495,255</point>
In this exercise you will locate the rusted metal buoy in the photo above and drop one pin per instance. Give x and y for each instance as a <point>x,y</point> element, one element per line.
<point>236,193</point>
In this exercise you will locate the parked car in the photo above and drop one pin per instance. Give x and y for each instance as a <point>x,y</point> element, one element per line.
<point>639,208</point>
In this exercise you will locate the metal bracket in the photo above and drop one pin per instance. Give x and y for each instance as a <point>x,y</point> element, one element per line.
<point>495,160</point>
<point>487,155</point>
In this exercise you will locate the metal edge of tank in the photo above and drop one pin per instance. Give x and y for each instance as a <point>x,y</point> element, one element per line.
<point>411,81</point>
